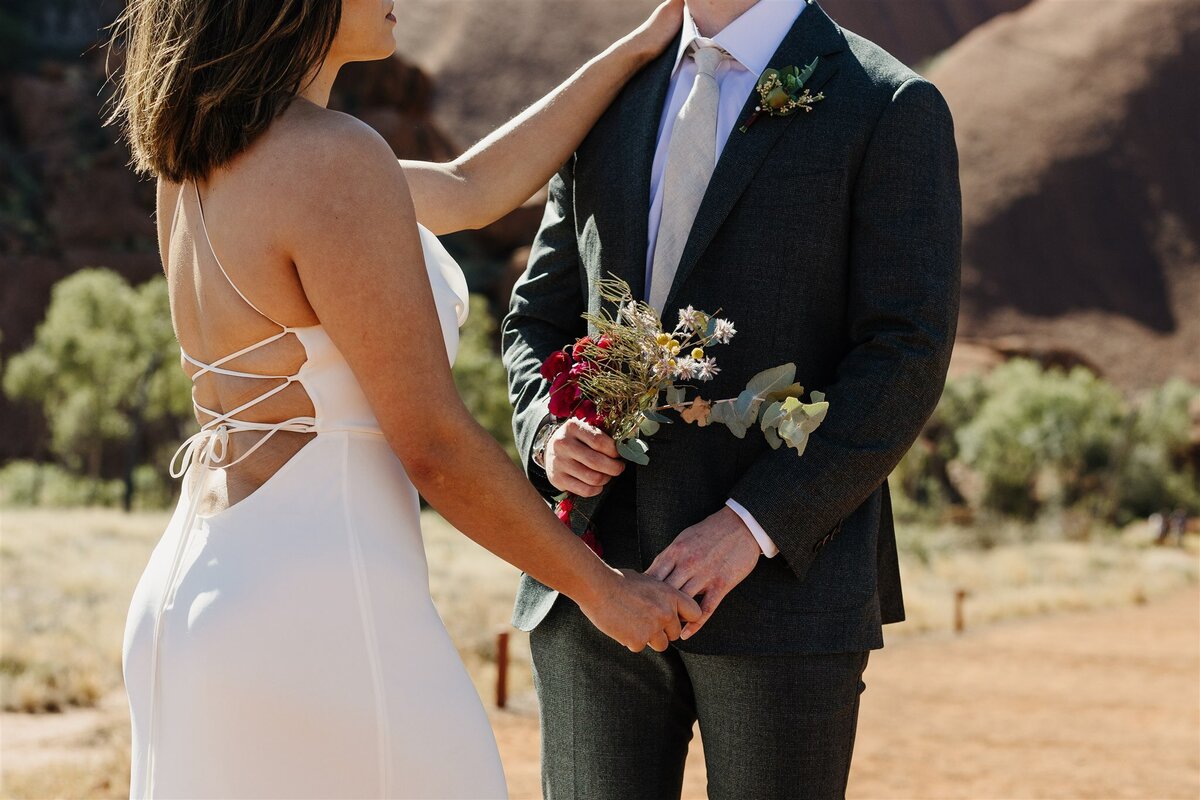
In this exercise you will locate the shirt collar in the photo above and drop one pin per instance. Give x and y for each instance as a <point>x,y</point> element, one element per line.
<point>753,37</point>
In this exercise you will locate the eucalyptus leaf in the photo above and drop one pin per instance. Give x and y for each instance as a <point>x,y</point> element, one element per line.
<point>648,427</point>
<point>725,414</point>
<point>675,395</point>
<point>792,433</point>
<point>772,438</point>
<point>634,450</point>
<point>817,397</point>
<point>795,390</point>
<point>808,70</point>
<point>770,380</point>
<point>771,415</point>
<point>746,405</point>
<point>657,417</point>
<point>817,411</point>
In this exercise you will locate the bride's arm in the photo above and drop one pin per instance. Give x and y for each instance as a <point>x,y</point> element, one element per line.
<point>352,235</point>
<point>508,166</point>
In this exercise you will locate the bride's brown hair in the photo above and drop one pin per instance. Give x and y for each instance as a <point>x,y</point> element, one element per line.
<point>203,78</point>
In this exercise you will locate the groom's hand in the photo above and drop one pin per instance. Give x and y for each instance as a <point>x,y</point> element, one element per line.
<point>581,459</point>
<point>709,558</point>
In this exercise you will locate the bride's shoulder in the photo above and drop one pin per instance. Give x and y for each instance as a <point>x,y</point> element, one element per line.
<point>325,154</point>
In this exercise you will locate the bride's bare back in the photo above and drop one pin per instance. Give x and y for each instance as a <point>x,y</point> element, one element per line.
<point>211,249</point>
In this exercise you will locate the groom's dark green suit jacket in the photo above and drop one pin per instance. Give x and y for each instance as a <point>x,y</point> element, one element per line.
<point>830,239</point>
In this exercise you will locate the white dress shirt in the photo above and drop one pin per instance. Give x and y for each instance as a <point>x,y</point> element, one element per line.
<point>750,40</point>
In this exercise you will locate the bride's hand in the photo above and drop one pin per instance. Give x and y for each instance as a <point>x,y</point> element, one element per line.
<point>640,611</point>
<point>656,33</point>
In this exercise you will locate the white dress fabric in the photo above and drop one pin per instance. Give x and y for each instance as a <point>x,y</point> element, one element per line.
<point>287,646</point>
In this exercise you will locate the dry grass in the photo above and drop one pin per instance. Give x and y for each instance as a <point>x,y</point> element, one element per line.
<point>66,578</point>
<point>1031,570</point>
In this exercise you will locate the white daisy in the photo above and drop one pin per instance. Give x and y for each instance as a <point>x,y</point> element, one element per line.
<point>708,368</point>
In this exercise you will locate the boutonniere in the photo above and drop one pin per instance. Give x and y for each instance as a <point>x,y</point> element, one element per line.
<point>781,92</point>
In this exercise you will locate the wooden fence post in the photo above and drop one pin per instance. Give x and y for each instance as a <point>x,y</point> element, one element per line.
<point>502,669</point>
<point>960,596</point>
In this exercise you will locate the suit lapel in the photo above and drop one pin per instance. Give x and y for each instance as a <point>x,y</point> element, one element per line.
<point>813,34</point>
<point>632,155</point>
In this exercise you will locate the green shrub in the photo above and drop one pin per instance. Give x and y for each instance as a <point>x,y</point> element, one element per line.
<point>1025,441</point>
<point>104,355</point>
<point>480,376</point>
<point>27,484</point>
<point>1037,429</point>
<point>1155,474</point>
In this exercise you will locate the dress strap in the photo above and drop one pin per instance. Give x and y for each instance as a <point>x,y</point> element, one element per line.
<point>216,365</point>
<point>217,258</point>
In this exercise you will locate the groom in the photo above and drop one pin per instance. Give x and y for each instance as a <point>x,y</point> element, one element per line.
<point>831,238</point>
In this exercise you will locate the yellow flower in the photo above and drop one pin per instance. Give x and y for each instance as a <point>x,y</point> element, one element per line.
<point>698,353</point>
<point>662,339</point>
<point>673,346</point>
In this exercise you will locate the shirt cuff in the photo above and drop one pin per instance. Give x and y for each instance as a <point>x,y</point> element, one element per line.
<point>764,542</point>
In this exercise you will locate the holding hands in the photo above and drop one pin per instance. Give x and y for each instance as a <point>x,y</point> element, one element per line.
<point>706,560</point>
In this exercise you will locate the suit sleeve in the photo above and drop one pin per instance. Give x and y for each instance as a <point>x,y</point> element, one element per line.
<point>902,312</point>
<point>544,316</point>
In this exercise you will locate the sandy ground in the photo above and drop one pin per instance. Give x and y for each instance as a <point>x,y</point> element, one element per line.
<point>1090,705</point>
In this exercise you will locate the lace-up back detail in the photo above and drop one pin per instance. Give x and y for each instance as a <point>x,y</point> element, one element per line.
<point>337,401</point>
<point>324,376</point>
<point>210,445</point>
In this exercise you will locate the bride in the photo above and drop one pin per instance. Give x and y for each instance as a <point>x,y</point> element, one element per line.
<point>282,641</point>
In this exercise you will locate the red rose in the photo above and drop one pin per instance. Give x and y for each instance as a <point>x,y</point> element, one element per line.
<point>604,342</point>
<point>564,396</point>
<point>587,411</point>
<point>580,367</point>
<point>555,365</point>
<point>577,352</point>
<point>563,511</point>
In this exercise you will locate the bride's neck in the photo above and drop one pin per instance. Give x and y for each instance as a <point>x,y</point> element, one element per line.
<point>318,88</point>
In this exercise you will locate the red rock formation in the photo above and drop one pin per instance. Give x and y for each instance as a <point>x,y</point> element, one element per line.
<point>1076,125</point>
<point>491,59</point>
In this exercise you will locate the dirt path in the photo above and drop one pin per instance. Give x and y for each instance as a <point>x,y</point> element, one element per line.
<point>1090,705</point>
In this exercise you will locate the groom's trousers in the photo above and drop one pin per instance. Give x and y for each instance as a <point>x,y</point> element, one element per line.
<point>616,725</point>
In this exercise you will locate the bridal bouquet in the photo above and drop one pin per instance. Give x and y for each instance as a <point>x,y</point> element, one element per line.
<point>625,378</point>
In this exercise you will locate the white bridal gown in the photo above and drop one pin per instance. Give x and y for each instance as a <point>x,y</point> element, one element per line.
<point>287,646</point>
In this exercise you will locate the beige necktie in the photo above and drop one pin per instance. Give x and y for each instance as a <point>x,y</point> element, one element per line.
<point>691,158</point>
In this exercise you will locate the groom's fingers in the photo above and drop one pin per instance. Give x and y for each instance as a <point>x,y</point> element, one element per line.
<point>678,579</point>
<point>575,486</point>
<point>584,473</point>
<point>695,586</point>
<point>596,439</point>
<point>658,642</point>
<point>662,566</point>
<point>583,455</point>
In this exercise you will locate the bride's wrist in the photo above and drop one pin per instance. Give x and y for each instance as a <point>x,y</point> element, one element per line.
<point>598,583</point>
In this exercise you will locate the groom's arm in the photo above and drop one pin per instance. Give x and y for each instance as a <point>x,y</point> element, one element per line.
<point>544,316</point>
<point>902,312</point>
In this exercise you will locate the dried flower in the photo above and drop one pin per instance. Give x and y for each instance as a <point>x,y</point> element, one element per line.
<point>723,331</point>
